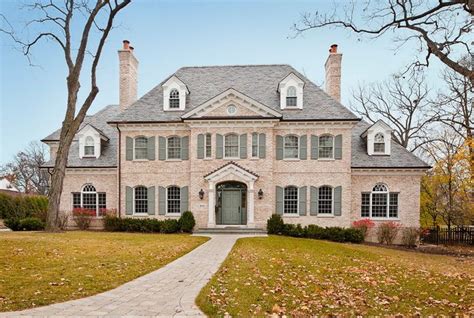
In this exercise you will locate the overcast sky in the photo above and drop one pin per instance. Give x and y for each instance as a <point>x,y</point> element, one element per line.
<point>170,34</point>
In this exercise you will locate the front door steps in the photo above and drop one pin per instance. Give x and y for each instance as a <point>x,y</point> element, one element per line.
<point>231,230</point>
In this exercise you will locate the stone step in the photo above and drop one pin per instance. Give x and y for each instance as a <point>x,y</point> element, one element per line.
<point>231,230</point>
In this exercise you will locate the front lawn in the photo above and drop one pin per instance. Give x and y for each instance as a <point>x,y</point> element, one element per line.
<point>302,277</point>
<point>38,269</point>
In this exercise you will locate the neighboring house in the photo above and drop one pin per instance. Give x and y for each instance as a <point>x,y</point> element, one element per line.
<point>234,144</point>
<point>7,187</point>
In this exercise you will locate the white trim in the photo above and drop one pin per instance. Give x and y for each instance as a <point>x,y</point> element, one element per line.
<point>140,159</point>
<point>174,83</point>
<point>387,212</point>
<point>205,146</point>
<point>297,214</point>
<point>332,202</point>
<point>333,146</point>
<point>297,149</point>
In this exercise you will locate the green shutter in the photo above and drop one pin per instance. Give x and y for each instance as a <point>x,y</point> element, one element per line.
<point>151,148</point>
<point>219,146</point>
<point>314,197</point>
<point>161,201</point>
<point>151,200</point>
<point>129,148</point>
<point>184,200</point>
<point>303,147</point>
<point>200,146</point>
<point>279,200</point>
<point>261,146</point>
<point>338,147</point>
<point>243,146</point>
<point>314,147</point>
<point>185,148</point>
<point>302,199</point>
<point>337,200</point>
<point>162,148</point>
<point>279,147</point>
<point>128,201</point>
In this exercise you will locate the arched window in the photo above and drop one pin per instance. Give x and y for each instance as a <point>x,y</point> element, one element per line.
<point>141,148</point>
<point>90,199</point>
<point>291,99</point>
<point>231,148</point>
<point>141,199</point>
<point>326,147</point>
<point>174,147</point>
<point>325,198</point>
<point>174,99</point>
<point>89,146</point>
<point>290,146</point>
<point>290,200</point>
<point>173,201</point>
<point>379,143</point>
<point>380,203</point>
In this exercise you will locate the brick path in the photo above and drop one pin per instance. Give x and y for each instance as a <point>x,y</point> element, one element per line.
<point>169,291</point>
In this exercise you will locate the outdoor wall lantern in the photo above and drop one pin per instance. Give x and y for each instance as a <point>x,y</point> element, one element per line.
<point>201,194</point>
<point>260,194</point>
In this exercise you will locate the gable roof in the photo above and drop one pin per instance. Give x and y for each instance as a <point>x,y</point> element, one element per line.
<point>258,82</point>
<point>379,123</point>
<point>100,132</point>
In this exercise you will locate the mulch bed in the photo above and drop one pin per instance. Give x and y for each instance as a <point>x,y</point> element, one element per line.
<point>452,250</point>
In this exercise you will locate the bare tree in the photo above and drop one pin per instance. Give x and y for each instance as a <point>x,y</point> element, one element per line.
<point>25,169</point>
<point>55,21</point>
<point>441,28</point>
<point>402,102</point>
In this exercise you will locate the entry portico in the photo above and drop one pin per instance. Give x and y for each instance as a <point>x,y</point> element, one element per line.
<point>231,172</point>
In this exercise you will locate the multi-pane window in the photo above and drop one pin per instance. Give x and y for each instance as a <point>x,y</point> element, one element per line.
<point>291,99</point>
<point>141,200</point>
<point>90,199</point>
<point>325,200</point>
<point>290,200</point>
<point>290,147</point>
<point>379,203</point>
<point>89,146</point>
<point>102,203</point>
<point>255,145</point>
<point>326,147</point>
<point>174,99</point>
<point>231,149</point>
<point>174,148</point>
<point>173,200</point>
<point>208,146</point>
<point>141,148</point>
<point>379,143</point>
<point>76,200</point>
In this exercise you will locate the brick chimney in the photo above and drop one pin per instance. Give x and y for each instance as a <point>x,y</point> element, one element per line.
<point>128,75</point>
<point>333,73</point>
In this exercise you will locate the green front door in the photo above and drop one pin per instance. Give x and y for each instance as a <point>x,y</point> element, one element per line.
<point>231,209</point>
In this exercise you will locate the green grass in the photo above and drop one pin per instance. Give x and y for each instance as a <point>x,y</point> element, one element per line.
<point>302,277</point>
<point>38,268</point>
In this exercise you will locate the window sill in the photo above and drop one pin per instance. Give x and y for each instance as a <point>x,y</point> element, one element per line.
<point>89,157</point>
<point>173,214</point>
<point>254,158</point>
<point>208,158</point>
<point>140,214</point>
<point>231,158</point>
<point>140,160</point>
<point>385,219</point>
<point>173,160</point>
<point>325,215</point>
<point>326,159</point>
<point>291,159</point>
<point>296,215</point>
<point>174,110</point>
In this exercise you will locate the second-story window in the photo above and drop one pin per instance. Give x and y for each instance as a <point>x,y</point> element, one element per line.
<point>208,146</point>
<point>326,147</point>
<point>290,147</point>
<point>174,99</point>
<point>291,97</point>
<point>231,146</point>
<point>174,148</point>
<point>89,146</point>
<point>141,148</point>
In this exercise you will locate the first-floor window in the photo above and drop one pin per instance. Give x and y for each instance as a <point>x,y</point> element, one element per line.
<point>325,200</point>
<point>290,200</point>
<point>141,200</point>
<point>173,200</point>
<point>90,199</point>
<point>380,203</point>
<point>208,146</point>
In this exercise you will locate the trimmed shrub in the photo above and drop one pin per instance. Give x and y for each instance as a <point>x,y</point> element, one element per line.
<point>187,222</point>
<point>410,236</point>
<point>21,207</point>
<point>7,206</point>
<point>83,217</point>
<point>364,226</point>
<point>275,224</point>
<point>335,234</point>
<point>387,232</point>
<point>116,224</point>
<point>315,232</point>
<point>169,226</point>
<point>26,224</point>
<point>13,224</point>
<point>354,235</point>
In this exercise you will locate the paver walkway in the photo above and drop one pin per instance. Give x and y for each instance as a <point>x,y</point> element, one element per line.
<point>168,291</point>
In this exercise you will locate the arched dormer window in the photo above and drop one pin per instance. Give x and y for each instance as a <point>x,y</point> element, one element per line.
<point>174,99</point>
<point>380,203</point>
<point>89,150</point>
<point>379,143</point>
<point>291,99</point>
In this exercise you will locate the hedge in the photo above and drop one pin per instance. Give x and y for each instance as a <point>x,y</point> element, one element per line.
<point>21,207</point>
<point>276,225</point>
<point>26,224</point>
<point>115,224</point>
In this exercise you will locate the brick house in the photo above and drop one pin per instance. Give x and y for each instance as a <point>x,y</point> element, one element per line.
<point>234,144</point>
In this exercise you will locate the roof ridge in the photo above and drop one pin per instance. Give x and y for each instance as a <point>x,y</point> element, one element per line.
<point>233,65</point>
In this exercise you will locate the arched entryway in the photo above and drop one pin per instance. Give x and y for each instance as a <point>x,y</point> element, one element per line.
<point>231,203</point>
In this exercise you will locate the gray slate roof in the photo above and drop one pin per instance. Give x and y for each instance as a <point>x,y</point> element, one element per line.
<point>260,82</point>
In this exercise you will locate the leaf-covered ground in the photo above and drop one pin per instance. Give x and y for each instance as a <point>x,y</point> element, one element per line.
<point>38,269</point>
<point>301,277</point>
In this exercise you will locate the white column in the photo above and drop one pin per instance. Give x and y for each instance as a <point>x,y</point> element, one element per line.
<point>212,204</point>
<point>250,205</point>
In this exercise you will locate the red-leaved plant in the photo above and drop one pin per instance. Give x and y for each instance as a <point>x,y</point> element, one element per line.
<point>363,225</point>
<point>387,232</point>
<point>83,217</point>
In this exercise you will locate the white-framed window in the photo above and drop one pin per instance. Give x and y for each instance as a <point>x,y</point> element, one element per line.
<point>174,99</point>
<point>291,99</point>
<point>173,200</point>
<point>290,200</point>
<point>89,148</point>
<point>140,200</point>
<point>90,199</point>
<point>174,147</point>
<point>379,143</point>
<point>255,145</point>
<point>326,147</point>
<point>207,146</point>
<point>231,146</point>
<point>290,147</point>
<point>140,148</point>
<point>379,203</point>
<point>325,200</point>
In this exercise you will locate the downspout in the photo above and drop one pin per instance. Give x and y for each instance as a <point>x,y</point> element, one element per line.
<point>119,166</point>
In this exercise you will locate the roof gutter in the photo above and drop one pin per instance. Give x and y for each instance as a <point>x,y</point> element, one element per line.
<point>231,118</point>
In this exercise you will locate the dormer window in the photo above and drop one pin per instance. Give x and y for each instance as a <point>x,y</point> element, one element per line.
<point>174,99</point>
<point>90,140</point>
<point>291,92</point>
<point>89,147</point>
<point>378,138</point>
<point>174,94</point>
<point>379,143</point>
<point>291,99</point>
